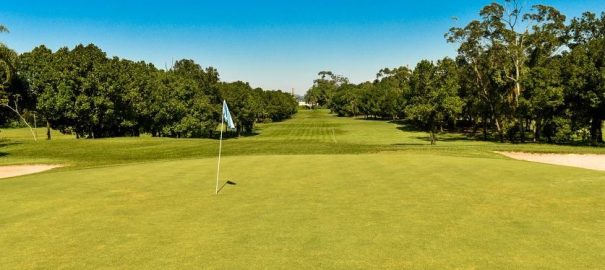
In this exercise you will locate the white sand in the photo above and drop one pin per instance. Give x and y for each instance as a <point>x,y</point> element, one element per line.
<point>16,170</point>
<point>591,161</point>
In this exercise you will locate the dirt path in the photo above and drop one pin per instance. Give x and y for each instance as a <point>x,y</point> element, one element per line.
<point>16,170</point>
<point>592,161</point>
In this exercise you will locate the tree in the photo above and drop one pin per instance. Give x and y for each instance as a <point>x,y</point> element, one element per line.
<point>543,101</point>
<point>312,97</point>
<point>7,61</point>
<point>346,100</point>
<point>500,56</point>
<point>10,99</point>
<point>243,104</point>
<point>585,73</point>
<point>37,70</point>
<point>481,60</point>
<point>277,105</point>
<point>369,100</point>
<point>82,91</point>
<point>433,99</point>
<point>324,88</point>
<point>391,85</point>
<point>179,108</point>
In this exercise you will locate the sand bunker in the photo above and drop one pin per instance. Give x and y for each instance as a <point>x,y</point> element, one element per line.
<point>16,170</point>
<point>593,162</point>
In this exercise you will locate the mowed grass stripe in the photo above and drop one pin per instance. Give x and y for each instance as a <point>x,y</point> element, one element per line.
<point>309,132</point>
<point>305,127</point>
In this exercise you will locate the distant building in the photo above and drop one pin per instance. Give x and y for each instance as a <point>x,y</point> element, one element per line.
<point>304,104</point>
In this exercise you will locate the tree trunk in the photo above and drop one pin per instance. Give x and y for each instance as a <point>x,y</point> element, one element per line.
<point>16,110</point>
<point>499,129</point>
<point>475,126</point>
<point>522,130</point>
<point>47,130</point>
<point>596,130</point>
<point>528,126</point>
<point>485,128</point>
<point>517,90</point>
<point>600,132</point>
<point>538,131</point>
<point>432,134</point>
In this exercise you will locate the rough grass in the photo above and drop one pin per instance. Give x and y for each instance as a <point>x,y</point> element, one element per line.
<point>315,192</point>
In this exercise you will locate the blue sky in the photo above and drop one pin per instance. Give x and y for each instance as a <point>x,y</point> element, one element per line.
<point>271,44</point>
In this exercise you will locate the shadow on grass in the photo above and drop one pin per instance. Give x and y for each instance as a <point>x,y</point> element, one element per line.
<point>229,182</point>
<point>5,143</point>
<point>439,139</point>
<point>371,119</point>
<point>444,137</point>
<point>407,128</point>
<point>455,139</point>
<point>233,135</point>
<point>412,144</point>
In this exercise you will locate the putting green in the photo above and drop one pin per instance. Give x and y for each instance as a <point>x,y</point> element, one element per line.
<point>384,210</point>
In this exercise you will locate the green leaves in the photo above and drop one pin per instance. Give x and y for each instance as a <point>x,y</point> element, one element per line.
<point>433,98</point>
<point>251,105</point>
<point>84,92</point>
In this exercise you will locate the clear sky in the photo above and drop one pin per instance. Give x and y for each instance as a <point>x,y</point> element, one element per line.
<point>271,44</point>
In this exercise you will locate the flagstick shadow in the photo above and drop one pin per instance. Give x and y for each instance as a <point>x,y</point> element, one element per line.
<point>226,183</point>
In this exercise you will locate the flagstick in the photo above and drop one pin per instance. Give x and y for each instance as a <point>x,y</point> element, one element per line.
<point>220,147</point>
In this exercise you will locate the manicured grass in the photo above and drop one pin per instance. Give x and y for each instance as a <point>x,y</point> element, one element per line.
<point>314,192</point>
<point>310,132</point>
<point>365,211</point>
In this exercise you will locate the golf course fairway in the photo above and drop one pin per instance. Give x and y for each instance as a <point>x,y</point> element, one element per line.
<point>313,192</point>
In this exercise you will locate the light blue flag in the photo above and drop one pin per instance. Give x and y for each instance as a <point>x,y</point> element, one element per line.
<point>227,116</point>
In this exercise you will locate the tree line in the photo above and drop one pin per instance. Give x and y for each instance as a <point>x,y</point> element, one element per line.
<point>519,76</point>
<point>81,91</point>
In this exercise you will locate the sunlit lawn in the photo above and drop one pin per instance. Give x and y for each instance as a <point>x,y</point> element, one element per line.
<point>313,192</point>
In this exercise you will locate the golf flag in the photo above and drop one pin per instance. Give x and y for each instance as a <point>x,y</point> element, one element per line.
<point>226,118</point>
<point>227,115</point>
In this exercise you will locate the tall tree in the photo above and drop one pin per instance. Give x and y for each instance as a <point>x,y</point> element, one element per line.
<point>542,102</point>
<point>324,88</point>
<point>433,99</point>
<point>38,71</point>
<point>585,73</point>
<point>7,60</point>
<point>11,94</point>
<point>500,51</point>
<point>481,57</point>
<point>392,85</point>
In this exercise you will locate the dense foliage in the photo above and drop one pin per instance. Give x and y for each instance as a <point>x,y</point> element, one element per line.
<point>518,76</point>
<point>84,92</point>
